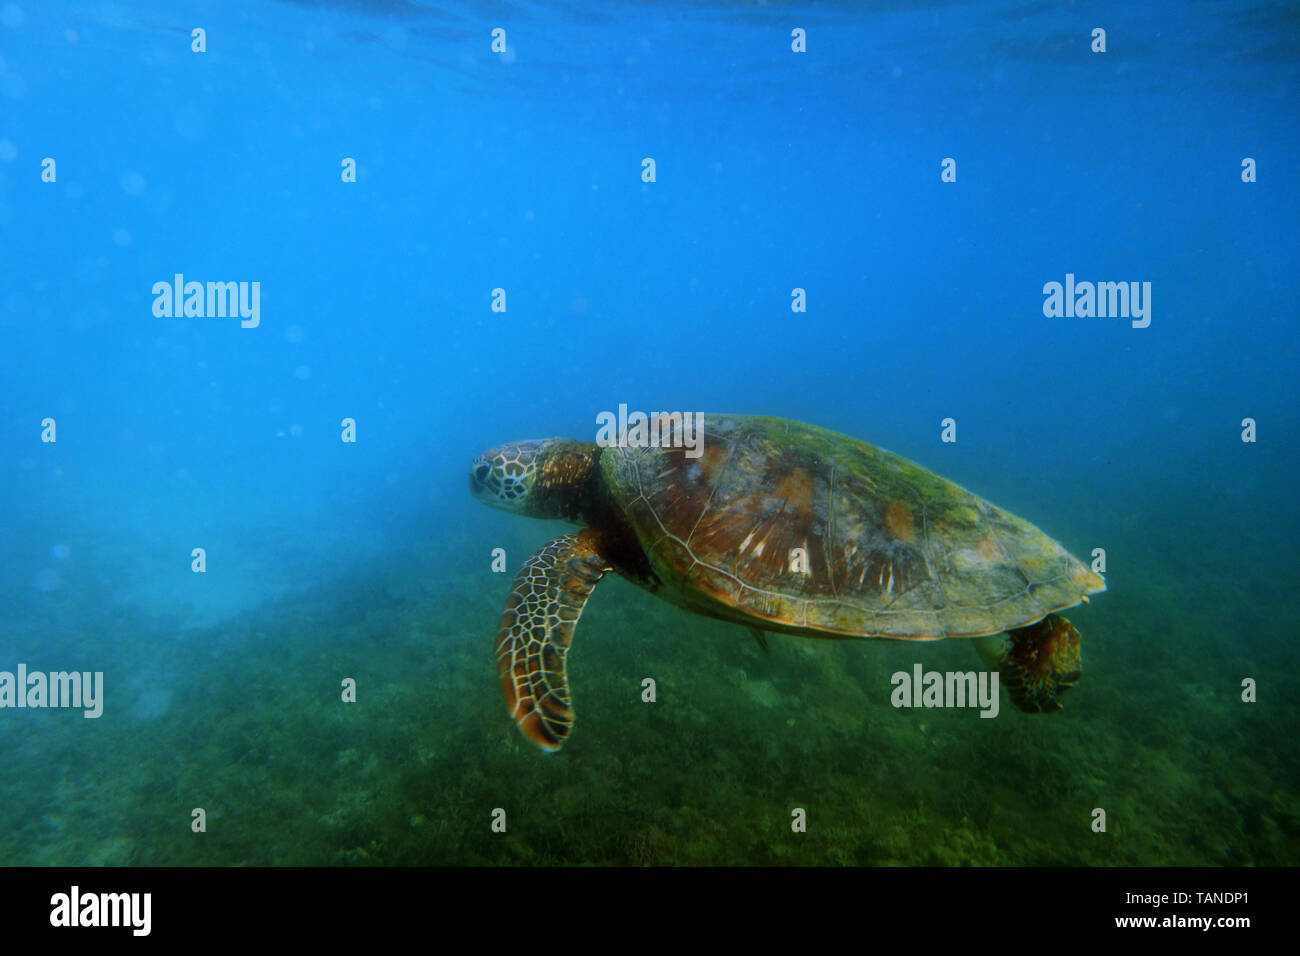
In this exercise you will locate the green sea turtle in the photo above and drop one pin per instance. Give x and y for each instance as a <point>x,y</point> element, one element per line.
<point>777,526</point>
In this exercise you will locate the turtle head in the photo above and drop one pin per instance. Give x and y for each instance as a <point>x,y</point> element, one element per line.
<point>541,477</point>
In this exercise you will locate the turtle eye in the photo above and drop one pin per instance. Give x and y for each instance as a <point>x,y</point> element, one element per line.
<point>482,472</point>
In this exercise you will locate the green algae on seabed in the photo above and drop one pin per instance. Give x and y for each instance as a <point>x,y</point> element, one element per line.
<point>708,774</point>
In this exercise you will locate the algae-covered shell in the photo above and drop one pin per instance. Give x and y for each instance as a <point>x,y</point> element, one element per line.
<point>791,527</point>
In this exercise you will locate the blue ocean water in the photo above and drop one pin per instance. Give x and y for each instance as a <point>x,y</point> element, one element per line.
<point>128,158</point>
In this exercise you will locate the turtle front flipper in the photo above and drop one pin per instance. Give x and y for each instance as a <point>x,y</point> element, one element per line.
<point>537,625</point>
<point>1036,664</point>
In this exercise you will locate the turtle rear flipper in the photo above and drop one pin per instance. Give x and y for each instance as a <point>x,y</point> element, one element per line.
<point>1036,664</point>
<point>542,610</point>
